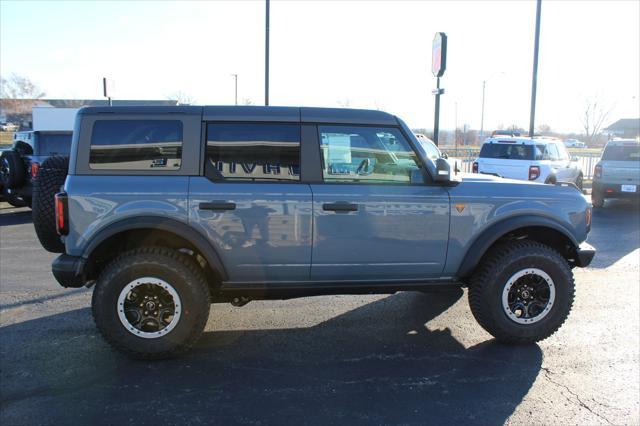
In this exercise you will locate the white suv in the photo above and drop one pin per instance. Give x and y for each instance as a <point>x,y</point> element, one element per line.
<point>538,159</point>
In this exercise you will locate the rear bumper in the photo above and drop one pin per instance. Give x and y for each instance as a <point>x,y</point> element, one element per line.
<point>613,190</point>
<point>585,253</point>
<point>69,271</point>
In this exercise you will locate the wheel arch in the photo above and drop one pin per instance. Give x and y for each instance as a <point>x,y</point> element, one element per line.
<point>537,228</point>
<point>146,231</point>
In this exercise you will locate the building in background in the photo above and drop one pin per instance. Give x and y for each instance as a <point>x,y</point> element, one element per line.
<point>627,128</point>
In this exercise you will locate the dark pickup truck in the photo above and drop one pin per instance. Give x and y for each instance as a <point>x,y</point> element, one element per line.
<point>19,165</point>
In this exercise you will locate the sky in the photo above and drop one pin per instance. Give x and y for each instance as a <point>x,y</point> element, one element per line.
<point>361,54</point>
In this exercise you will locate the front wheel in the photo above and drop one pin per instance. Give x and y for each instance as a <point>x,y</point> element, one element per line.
<point>151,303</point>
<point>522,292</point>
<point>597,200</point>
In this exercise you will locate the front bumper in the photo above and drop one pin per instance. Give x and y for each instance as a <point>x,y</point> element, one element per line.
<point>584,255</point>
<point>69,271</point>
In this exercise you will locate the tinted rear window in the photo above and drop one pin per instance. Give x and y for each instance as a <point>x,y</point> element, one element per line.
<point>622,153</point>
<point>253,151</point>
<point>505,151</point>
<point>136,145</point>
<point>54,144</point>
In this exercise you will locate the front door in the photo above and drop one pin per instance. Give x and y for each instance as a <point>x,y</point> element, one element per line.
<point>370,222</point>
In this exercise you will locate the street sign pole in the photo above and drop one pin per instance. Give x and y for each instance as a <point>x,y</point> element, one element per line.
<point>438,66</point>
<point>436,119</point>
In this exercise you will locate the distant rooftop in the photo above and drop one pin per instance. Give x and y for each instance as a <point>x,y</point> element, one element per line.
<point>624,124</point>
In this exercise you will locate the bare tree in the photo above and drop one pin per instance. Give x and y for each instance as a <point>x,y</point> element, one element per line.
<point>544,129</point>
<point>19,87</point>
<point>18,95</point>
<point>593,118</point>
<point>182,98</point>
<point>247,101</point>
<point>345,103</point>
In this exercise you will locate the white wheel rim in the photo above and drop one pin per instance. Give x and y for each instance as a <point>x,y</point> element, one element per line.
<point>123,303</point>
<point>508,306</point>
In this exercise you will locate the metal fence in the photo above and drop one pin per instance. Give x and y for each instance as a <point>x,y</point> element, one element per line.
<point>586,159</point>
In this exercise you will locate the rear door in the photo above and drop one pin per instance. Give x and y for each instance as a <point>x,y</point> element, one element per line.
<point>251,203</point>
<point>370,222</point>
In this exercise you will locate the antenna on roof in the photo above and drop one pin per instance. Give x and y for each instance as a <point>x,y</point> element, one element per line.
<point>104,90</point>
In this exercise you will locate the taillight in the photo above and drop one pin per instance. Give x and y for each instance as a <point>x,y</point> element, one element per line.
<point>35,168</point>
<point>587,215</point>
<point>475,167</point>
<point>597,173</point>
<point>62,213</point>
<point>534,172</point>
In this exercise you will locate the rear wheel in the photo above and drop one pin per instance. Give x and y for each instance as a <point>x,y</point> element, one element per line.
<point>580,181</point>
<point>597,199</point>
<point>522,292</point>
<point>151,303</point>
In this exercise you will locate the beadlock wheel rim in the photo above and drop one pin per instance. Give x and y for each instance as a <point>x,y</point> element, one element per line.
<point>528,296</point>
<point>149,307</point>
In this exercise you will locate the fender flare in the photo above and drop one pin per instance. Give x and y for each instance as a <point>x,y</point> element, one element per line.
<point>490,235</point>
<point>174,226</point>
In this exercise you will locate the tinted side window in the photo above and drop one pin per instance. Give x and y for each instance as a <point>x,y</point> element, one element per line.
<point>551,152</point>
<point>562,152</point>
<point>361,154</point>
<point>136,145</point>
<point>54,144</point>
<point>253,151</point>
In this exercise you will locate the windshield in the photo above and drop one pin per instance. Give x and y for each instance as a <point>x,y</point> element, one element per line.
<point>622,153</point>
<point>54,143</point>
<point>507,151</point>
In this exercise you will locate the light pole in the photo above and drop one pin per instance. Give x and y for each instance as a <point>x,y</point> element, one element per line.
<point>266,56</point>
<point>534,78</point>
<point>484,84</point>
<point>235,76</point>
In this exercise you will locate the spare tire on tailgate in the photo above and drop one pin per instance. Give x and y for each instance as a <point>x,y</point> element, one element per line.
<point>51,176</point>
<point>12,170</point>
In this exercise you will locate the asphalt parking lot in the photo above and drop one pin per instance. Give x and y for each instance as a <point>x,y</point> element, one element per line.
<point>404,358</point>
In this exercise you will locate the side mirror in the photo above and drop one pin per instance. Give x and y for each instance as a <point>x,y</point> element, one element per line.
<point>445,155</point>
<point>443,171</point>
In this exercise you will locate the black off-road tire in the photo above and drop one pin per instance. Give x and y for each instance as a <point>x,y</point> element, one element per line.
<point>12,169</point>
<point>51,176</point>
<point>183,274</point>
<point>597,199</point>
<point>15,200</point>
<point>491,276</point>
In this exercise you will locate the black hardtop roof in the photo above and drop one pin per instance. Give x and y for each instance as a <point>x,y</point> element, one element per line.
<point>258,113</point>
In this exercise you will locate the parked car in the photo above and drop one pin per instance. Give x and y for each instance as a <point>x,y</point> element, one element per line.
<point>617,174</point>
<point>20,164</point>
<point>8,127</point>
<point>168,209</point>
<point>574,143</point>
<point>539,159</point>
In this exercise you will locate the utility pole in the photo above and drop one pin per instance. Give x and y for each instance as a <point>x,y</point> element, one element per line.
<point>484,84</point>
<point>104,90</point>
<point>235,76</point>
<point>534,80</point>
<point>438,66</point>
<point>455,124</point>
<point>266,57</point>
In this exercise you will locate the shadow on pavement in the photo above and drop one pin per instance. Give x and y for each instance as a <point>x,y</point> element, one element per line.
<point>615,231</point>
<point>15,218</point>
<point>378,363</point>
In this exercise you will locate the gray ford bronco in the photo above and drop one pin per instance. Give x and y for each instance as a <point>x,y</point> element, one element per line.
<point>166,210</point>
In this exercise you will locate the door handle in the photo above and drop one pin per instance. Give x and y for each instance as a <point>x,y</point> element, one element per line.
<point>340,206</point>
<point>217,205</point>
